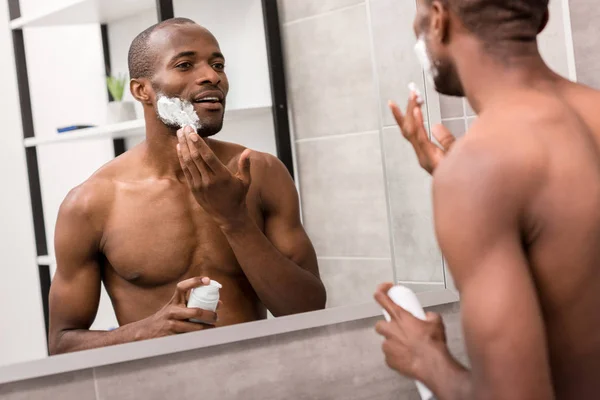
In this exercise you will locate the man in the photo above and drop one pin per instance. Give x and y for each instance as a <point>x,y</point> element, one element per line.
<point>517,212</point>
<point>176,210</point>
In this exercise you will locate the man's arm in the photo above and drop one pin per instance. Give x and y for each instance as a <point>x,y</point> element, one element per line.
<point>75,290</point>
<point>280,263</point>
<point>479,198</point>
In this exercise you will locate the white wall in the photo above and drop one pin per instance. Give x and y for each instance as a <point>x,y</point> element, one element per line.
<point>22,336</point>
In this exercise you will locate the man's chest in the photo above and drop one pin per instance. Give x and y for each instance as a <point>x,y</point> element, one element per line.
<point>156,240</point>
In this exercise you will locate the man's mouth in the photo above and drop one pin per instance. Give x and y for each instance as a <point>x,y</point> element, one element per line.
<point>210,97</point>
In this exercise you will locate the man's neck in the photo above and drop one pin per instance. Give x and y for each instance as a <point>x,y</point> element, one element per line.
<point>487,79</point>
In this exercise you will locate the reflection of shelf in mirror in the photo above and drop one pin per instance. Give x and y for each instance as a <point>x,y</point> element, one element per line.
<point>127,129</point>
<point>46,260</point>
<point>84,12</point>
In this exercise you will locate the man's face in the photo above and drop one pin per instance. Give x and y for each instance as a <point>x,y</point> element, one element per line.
<point>189,65</point>
<point>431,27</point>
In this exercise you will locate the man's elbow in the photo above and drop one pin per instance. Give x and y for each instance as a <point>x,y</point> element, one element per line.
<point>57,343</point>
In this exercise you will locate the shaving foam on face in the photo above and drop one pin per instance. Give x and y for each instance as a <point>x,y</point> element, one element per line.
<point>425,60</point>
<point>177,112</point>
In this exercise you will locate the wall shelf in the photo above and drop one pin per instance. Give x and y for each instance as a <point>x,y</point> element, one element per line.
<point>126,129</point>
<point>84,12</point>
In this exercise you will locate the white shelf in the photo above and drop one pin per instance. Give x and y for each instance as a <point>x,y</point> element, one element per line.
<point>84,12</point>
<point>115,131</point>
<point>46,260</point>
<point>127,129</point>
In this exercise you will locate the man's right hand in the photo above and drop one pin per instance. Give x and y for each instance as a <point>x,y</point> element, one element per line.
<point>413,130</point>
<point>174,317</point>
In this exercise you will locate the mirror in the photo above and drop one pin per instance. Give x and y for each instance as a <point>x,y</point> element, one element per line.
<point>364,202</point>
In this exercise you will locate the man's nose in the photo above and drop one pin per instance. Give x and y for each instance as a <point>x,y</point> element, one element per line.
<point>207,75</point>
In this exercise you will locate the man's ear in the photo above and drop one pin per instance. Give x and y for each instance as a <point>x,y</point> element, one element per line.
<point>141,90</point>
<point>545,20</point>
<point>439,21</point>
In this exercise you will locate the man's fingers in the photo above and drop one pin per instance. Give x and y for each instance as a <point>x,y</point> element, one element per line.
<point>395,311</point>
<point>185,158</point>
<point>186,172</point>
<point>186,327</point>
<point>209,159</point>
<point>193,143</point>
<point>184,286</point>
<point>396,113</point>
<point>421,136</point>
<point>383,328</point>
<point>244,164</point>
<point>185,313</point>
<point>443,136</point>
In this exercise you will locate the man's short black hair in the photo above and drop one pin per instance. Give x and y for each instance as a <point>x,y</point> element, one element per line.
<point>141,58</point>
<point>501,20</point>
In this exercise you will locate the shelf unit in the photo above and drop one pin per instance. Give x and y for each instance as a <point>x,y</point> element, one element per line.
<point>122,130</point>
<point>102,12</point>
<point>84,12</point>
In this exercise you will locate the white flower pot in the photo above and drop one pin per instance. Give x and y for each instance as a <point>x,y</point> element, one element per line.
<point>120,111</point>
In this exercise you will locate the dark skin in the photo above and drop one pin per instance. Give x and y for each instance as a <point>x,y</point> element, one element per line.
<point>517,215</point>
<point>176,210</point>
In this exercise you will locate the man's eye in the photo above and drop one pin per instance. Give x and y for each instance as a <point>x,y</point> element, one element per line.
<point>219,66</point>
<point>184,65</point>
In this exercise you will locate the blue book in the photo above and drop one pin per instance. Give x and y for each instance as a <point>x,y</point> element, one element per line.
<point>73,128</point>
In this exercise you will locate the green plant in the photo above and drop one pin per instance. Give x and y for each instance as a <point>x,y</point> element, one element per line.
<point>116,86</point>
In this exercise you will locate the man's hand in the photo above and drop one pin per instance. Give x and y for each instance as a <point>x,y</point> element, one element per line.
<point>413,129</point>
<point>173,317</point>
<point>410,345</point>
<point>219,192</point>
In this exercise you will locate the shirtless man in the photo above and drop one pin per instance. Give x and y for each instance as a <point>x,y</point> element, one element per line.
<point>517,213</point>
<point>179,207</point>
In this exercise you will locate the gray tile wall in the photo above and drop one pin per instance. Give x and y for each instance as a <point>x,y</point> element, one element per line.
<point>336,115</point>
<point>585,18</point>
<point>337,362</point>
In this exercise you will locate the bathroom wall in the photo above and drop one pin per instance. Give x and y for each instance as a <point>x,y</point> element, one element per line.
<point>20,302</point>
<point>337,94</point>
<point>585,20</point>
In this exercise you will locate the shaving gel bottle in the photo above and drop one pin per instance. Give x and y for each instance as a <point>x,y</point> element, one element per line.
<point>205,297</point>
<point>407,299</point>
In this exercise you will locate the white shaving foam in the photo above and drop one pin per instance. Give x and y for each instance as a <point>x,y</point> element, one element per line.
<point>177,112</point>
<point>414,89</point>
<point>423,56</point>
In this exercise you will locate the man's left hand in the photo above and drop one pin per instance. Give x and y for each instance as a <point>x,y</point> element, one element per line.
<point>221,193</point>
<point>410,344</point>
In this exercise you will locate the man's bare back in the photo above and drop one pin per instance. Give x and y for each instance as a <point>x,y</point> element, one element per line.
<point>564,230</point>
<point>516,209</point>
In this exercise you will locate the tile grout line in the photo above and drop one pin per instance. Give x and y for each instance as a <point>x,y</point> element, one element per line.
<point>95,384</point>
<point>324,14</point>
<point>377,90</point>
<point>337,136</point>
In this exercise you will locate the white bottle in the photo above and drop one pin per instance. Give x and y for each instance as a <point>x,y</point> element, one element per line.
<point>205,297</point>
<point>407,299</point>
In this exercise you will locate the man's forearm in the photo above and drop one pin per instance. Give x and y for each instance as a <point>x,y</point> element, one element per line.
<point>69,341</point>
<point>283,286</point>
<point>445,377</point>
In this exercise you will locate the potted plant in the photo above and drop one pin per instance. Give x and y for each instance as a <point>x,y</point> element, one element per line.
<point>119,110</point>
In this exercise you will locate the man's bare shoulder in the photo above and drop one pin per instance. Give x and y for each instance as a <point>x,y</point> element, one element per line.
<point>93,199</point>
<point>494,154</point>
